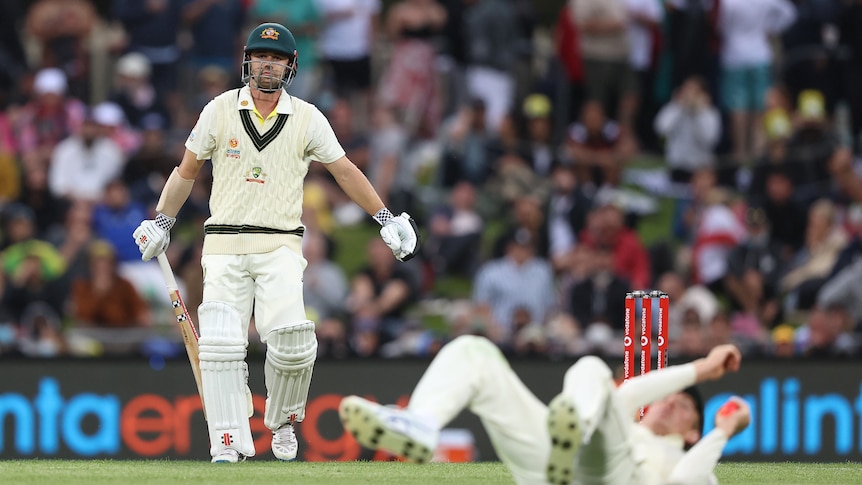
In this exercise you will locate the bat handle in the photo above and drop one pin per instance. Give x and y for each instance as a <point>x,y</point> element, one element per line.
<point>167,272</point>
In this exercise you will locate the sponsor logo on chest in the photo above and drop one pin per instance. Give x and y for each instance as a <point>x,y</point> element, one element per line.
<point>233,152</point>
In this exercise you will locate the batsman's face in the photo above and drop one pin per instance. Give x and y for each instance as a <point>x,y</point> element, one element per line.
<point>675,414</point>
<point>268,69</point>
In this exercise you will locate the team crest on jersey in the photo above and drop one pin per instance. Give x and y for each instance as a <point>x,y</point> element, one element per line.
<point>256,175</point>
<point>269,33</point>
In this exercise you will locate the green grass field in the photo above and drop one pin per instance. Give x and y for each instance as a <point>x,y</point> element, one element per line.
<point>379,473</point>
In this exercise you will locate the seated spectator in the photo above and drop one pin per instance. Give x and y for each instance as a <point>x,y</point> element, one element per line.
<point>718,232</point>
<point>117,216</point>
<point>379,297</point>
<point>754,268</point>
<point>606,229</point>
<point>150,166</point>
<point>324,293</point>
<point>827,334</point>
<point>598,147</point>
<point>83,164</point>
<point>691,126</point>
<point>808,270</point>
<point>566,214</point>
<point>784,342</point>
<point>40,332</point>
<point>597,297</point>
<point>104,298</point>
<point>518,279</point>
<point>525,213</point>
<point>49,117</point>
<point>465,139</point>
<point>683,298</point>
<point>786,215</point>
<point>134,93</point>
<point>455,233</point>
<point>540,149</point>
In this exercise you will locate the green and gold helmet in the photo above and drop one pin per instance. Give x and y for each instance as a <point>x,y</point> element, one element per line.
<point>275,38</point>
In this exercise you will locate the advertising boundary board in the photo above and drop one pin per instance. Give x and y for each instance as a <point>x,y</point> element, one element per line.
<point>802,411</point>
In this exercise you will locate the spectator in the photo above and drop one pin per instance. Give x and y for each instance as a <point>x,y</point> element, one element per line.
<point>540,148</point>
<point>566,214</point>
<point>491,28</point>
<point>153,28</point>
<point>598,147</point>
<point>349,30</point>
<point>643,33</point>
<point>104,298</point>
<point>827,335</point>
<point>851,37</point>
<point>786,215</point>
<point>465,141</point>
<point>746,60</point>
<point>61,28</point>
<point>379,297</point>
<point>754,268</point>
<point>809,268</point>
<point>149,167</point>
<point>410,81</point>
<point>305,21</point>
<point>606,229</point>
<point>388,168</point>
<point>325,287</point>
<point>691,126</point>
<point>115,217</point>
<point>596,298</point>
<point>40,332</point>
<point>718,231</point>
<point>455,234</point>
<point>692,40</point>
<point>608,77</point>
<point>49,117</point>
<point>216,30</point>
<point>108,312</point>
<point>83,164</point>
<point>784,342</point>
<point>134,92</point>
<point>518,279</point>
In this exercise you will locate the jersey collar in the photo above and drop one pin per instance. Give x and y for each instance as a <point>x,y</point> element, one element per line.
<point>284,106</point>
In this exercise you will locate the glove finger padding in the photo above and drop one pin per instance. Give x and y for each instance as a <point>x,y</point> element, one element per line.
<point>402,236</point>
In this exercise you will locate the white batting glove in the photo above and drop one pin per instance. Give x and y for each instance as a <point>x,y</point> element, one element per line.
<point>153,236</point>
<point>400,234</point>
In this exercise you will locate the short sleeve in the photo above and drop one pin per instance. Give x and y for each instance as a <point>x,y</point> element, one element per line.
<point>202,139</point>
<point>321,142</point>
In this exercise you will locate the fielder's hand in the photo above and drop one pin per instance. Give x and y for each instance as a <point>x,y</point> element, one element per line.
<point>153,236</point>
<point>733,416</point>
<point>721,359</point>
<point>402,236</point>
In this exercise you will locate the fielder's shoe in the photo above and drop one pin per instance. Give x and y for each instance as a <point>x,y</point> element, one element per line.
<point>391,429</point>
<point>284,444</point>
<point>228,455</point>
<point>564,427</point>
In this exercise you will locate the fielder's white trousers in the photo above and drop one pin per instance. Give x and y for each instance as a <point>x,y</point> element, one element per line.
<point>270,284</point>
<point>470,372</point>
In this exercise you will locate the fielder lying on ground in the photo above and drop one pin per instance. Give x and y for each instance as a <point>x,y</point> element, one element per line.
<point>587,435</point>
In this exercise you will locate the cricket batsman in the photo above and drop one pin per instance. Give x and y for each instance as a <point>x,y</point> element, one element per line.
<point>587,435</point>
<point>261,141</point>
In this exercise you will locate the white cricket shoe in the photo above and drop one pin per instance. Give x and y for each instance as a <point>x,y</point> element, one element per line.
<point>228,455</point>
<point>398,431</point>
<point>284,444</point>
<point>565,430</point>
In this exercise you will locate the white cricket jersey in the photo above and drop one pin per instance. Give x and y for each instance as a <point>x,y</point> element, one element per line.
<point>258,169</point>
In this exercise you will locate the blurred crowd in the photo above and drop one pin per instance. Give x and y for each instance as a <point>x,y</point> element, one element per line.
<point>556,155</point>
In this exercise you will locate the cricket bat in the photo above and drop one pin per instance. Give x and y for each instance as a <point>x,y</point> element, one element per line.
<point>184,321</point>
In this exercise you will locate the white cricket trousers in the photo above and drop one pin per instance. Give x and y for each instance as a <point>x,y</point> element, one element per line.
<point>471,372</point>
<point>268,283</point>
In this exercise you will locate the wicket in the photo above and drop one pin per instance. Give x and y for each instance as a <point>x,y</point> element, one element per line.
<point>646,298</point>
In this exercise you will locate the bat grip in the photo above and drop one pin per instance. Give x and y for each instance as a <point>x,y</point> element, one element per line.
<point>167,272</point>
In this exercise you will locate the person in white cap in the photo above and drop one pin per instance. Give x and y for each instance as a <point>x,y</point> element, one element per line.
<point>134,91</point>
<point>49,117</point>
<point>586,435</point>
<point>84,163</point>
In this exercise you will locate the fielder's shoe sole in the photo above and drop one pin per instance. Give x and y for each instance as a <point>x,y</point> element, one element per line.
<point>381,428</point>
<point>564,428</point>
